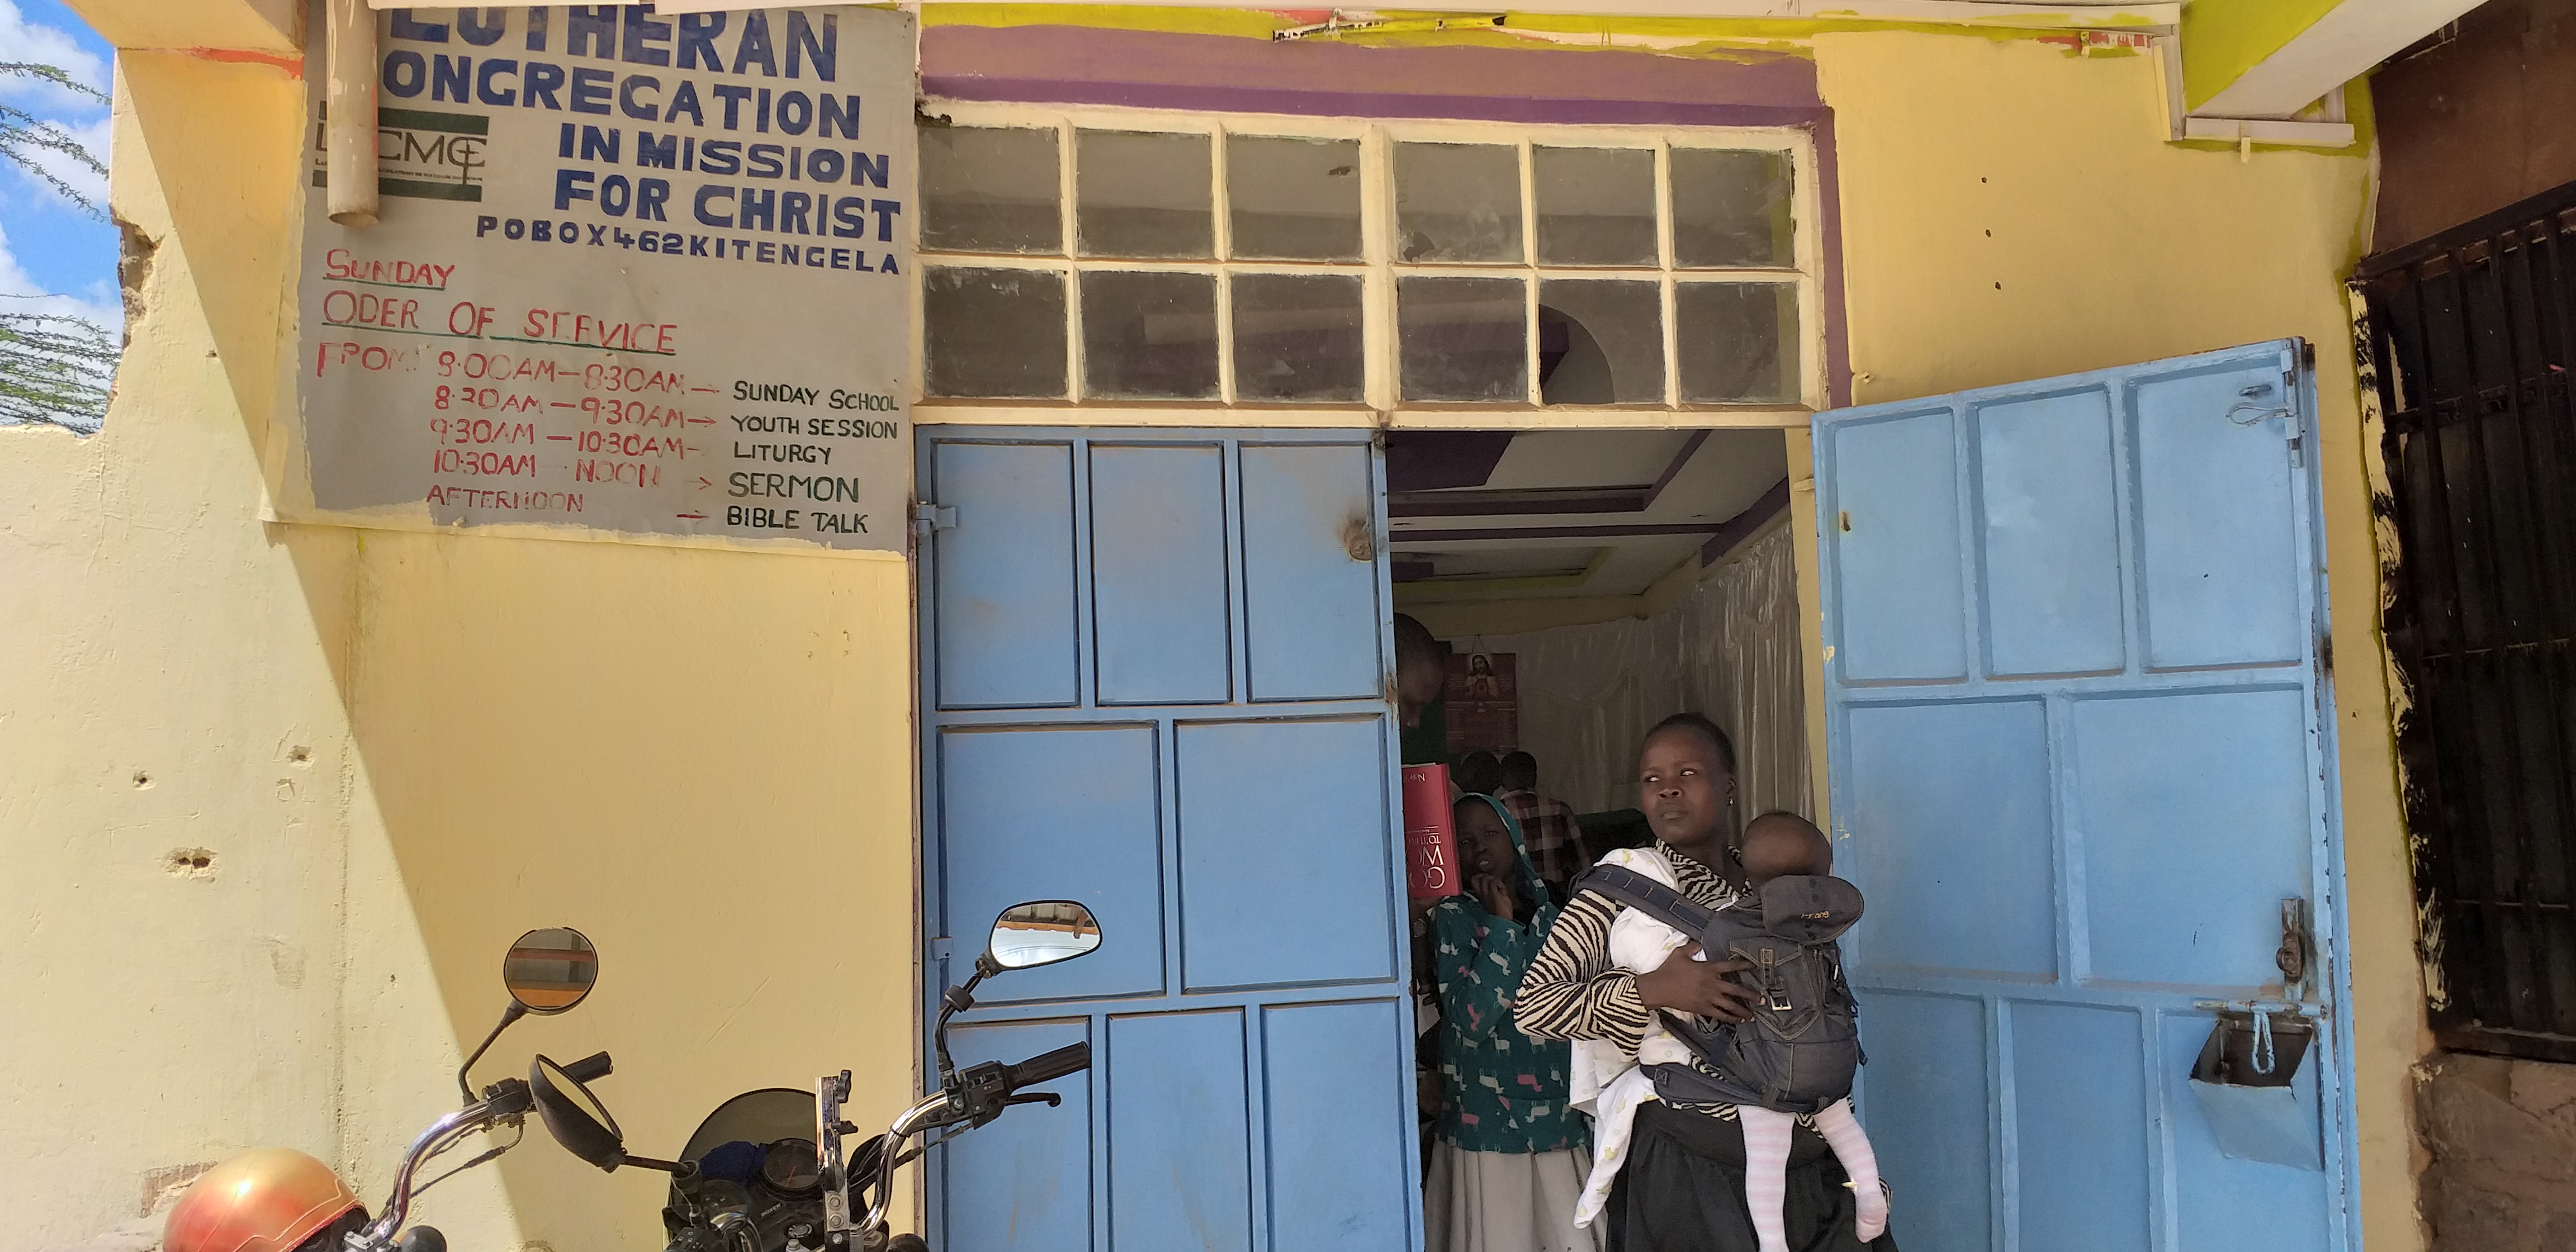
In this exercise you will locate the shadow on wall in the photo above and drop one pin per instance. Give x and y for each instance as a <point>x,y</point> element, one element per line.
<point>701,759</point>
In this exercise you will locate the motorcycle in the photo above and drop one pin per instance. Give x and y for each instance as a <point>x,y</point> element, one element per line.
<point>752,1180</point>
<point>278,1200</point>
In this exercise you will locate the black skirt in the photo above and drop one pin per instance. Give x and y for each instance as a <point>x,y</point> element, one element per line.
<point>1682,1190</point>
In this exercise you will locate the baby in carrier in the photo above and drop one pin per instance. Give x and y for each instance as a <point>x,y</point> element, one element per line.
<point>1799,1054</point>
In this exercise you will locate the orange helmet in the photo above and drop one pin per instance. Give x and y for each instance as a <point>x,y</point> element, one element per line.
<point>271,1200</point>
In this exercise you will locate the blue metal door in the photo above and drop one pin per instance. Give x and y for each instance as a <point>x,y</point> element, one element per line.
<point>2080,749</point>
<point>1154,675</point>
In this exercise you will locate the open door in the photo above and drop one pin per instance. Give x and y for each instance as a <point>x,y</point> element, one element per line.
<point>1154,671</point>
<point>2080,751</point>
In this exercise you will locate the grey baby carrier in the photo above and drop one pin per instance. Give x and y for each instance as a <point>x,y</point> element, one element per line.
<point>1802,1048</point>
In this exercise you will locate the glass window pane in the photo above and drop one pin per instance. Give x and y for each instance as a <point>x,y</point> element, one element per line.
<point>1596,206</point>
<point>1294,199</point>
<point>1738,342</point>
<point>1143,195</point>
<point>1463,338</point>
<point>992,333</point>
<point>1148,336</point>
<point>1457,202</point>
<point>989,190</point>
<point>1601,342</point>
<point>1297,337</point>
<point>1731,210</point>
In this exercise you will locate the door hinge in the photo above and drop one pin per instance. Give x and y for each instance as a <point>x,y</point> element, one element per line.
<point>928,516</point>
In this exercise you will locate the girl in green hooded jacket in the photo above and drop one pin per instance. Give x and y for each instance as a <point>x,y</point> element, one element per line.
<point>1511,1158</point>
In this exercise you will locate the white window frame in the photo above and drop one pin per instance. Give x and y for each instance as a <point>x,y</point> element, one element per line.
<point>1379,270</point>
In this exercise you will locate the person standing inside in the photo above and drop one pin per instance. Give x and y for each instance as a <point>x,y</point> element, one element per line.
<point>1510,1160</point>
<point>1682,1185</point>
<point>1421,670</point>
<point>1548,827</point>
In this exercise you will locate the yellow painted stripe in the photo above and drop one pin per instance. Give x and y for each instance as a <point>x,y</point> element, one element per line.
<point>2221,39</point>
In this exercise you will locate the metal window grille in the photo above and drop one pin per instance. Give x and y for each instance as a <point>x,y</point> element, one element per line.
<point>2468,338</point>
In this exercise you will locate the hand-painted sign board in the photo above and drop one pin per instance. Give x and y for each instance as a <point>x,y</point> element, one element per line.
<point>638,274</point>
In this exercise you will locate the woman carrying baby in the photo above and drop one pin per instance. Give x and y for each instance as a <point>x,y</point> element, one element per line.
<point>1681,1184</point>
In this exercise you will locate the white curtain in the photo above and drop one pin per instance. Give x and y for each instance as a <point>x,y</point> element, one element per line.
<point>1729,649</point>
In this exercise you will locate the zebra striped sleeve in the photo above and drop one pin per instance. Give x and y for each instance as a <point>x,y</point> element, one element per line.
<point>1572,991</point>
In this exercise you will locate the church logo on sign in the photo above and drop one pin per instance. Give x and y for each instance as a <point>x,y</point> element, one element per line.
<point>425,155</point>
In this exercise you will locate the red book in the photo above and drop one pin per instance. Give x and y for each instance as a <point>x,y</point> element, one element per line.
<point>1430,834</point>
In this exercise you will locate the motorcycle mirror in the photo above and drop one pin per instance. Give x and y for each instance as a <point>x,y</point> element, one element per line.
<point>550,970</point>
<point>574,1116</point>
<point>1040,932</point>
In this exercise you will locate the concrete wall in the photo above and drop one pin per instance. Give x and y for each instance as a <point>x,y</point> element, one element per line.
<point>2502,1140</point>
<point>699,757</point>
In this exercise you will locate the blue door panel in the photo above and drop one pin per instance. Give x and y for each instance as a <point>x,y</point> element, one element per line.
<point>1310,571</point>
<point>2077,840</point>
<point>1064,812</point>
<point>1180,1174</point>
<point>1337,1174</point>
<point>2217,518</point>
<point>2183,883</point>
<point>1898,532</point>
<point>2224,1203</point>
<point>1155,682</point>
<point>1924,1088</point>
<point>2080,1113</point>
<point>1925,811</point>
<point>2051,528</point>
<point>1005,628</point>
<point>1158,589</point>
<point>1023,1184</point>
<point>1251,845</point>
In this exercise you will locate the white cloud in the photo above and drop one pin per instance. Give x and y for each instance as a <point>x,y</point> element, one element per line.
<point>23,40</point>
<point>93,135</point>
<point>21,294</point>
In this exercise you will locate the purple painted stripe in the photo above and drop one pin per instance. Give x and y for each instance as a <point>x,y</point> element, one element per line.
<point>1838,370</point>
<point>1363,104</point>
<point>1741,526</point>
<point>1591,501</point>
<point>1690,448</point>
<point>1557,532</point>
<point>1149,69</point>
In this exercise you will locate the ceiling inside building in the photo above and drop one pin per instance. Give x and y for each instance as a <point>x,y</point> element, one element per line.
<point>1480,515</point>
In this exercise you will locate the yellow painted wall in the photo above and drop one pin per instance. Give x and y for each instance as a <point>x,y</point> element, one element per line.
<point>691,754</point>
<point>401,751</point>
<point>163,658</point>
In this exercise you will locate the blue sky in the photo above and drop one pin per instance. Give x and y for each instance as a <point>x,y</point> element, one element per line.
<point>50,246</point>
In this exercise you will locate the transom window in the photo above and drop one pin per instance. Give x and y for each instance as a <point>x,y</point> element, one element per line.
<point>1121,257</point>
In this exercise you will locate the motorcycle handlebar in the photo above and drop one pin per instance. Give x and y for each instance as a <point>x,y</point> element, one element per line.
<point>1072,1058</point>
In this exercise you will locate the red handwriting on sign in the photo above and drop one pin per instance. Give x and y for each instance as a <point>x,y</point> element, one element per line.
<point>366,308</point>
<point>494,365</point>
<point>577,329</point>
<point>633,378</point>
<point>479,430</point>
<point>342,265</point>
<point>346,355</point>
